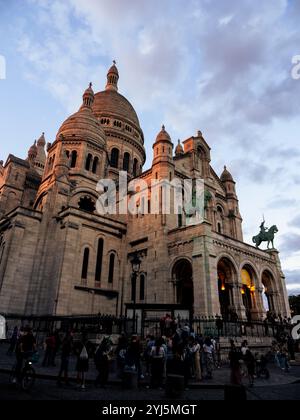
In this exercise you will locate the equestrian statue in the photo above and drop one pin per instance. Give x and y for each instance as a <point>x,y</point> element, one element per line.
<point>265,235</point>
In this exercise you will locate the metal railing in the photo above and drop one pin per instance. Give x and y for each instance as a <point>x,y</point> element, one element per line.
<point>107,324</point>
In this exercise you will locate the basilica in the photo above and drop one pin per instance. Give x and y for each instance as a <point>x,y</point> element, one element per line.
<point>59,256</point>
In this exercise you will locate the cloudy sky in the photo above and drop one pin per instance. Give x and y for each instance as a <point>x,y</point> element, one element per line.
<point>220,66</point>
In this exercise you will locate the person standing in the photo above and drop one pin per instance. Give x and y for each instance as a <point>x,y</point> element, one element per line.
<point>26,346</point>
<point>56,348</point>
<point>208,350</point>
<point>102,358</point>
<point>82,366</point>
<point>66,350</point>
<point>235,356</point>
<point>134,354</point>
<point>291,348</point>
<point>196,351</point>
<point>250,363</point>
<point>13,341</point>
<point>50,345</point>
<point>284,362</point>
<point>150,343</point>
<point>158,356</point>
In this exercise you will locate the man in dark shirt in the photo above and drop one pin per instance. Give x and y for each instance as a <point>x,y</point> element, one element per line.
<point>66,349</point>
<point>27,342</point>
<point>26,346</point>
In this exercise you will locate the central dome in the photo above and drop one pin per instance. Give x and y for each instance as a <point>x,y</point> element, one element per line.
<point>125,138</point>
<point>110,102</point>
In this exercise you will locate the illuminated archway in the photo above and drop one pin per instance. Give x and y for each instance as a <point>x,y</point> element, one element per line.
<point>268,291</point>
<point>226,278</point>
<point>248,288</point>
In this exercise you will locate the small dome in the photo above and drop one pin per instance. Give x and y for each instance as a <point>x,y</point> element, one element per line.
<point>83,124</point>
<point>112,78</point>
<point>33,151</point>
<point>42,141</point>
<point>88,97</point>
<point>163,136</point>
<point>226,176</point>
<point>179,149</point>
<point>113,69</point>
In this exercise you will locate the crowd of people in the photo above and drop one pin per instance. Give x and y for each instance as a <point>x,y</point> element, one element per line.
<point>177,351</point>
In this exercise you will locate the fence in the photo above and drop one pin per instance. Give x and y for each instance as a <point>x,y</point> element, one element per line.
<point>92,324</point>
<point>105,324</point>
<point>215,327</point>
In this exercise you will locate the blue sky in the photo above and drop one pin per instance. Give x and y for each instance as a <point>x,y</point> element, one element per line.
<point>223,67</point>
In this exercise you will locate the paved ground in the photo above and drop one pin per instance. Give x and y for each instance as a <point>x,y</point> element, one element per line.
<point>281,386</point>
<point>47,390</point>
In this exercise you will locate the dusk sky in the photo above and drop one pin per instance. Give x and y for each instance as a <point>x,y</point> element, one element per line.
<point>222,67</point>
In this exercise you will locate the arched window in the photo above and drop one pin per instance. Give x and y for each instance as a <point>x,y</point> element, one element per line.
<point>133,288</point>
<point>143,207</point>
<point>114,160</point>
<point>111,268</point>
<point>88,162</point>
<point>126,161</point>
<point>135,167</point>
<point>142,286</point>
<point>85,264</point>
<point>220,219</point>
<point>87,204</point>
<point>73,159</point>
<point>220,210</point>
<point>180,218</point>
<point>99,260</point>
<point>95,165</point>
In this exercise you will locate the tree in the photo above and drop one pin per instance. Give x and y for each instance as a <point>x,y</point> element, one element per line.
<point>295,304</point>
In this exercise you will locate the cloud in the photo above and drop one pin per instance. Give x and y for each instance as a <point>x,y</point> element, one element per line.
<point>282,202</point>
<point>295,222</point>
<point>293,281</point>
<point>290,243</point>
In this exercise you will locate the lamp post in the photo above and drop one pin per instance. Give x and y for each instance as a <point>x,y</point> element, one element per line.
<point>136,265</point>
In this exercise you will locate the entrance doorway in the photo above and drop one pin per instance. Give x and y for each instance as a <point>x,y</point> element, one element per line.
<point>183,276</point>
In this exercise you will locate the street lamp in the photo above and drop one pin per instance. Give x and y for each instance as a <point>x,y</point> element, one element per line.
<point>136,265</point>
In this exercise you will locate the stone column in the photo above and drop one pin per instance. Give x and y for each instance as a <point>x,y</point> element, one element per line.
<point>258,312</point>
<point>205,276</point>
<point>283,300</point>
<point>238,301</point>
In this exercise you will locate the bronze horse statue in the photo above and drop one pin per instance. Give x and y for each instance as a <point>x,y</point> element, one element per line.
<point>266,237</point>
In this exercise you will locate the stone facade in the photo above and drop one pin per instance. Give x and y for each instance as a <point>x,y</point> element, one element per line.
<point>59,256</point>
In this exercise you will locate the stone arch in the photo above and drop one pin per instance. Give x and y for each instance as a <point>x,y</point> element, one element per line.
<point>252,269</point>
<point>114,157</point>
<point>227,273</point>
<point>87,203</point>
<point>81,192</point>
<point>182,275</point>
<point>231,259</point>
<point>269,290</point>
<point>250,283</point>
